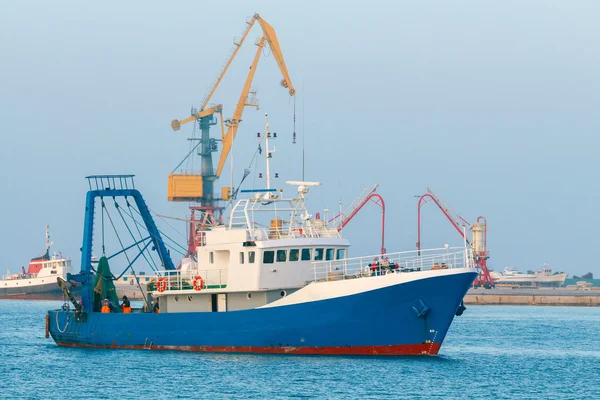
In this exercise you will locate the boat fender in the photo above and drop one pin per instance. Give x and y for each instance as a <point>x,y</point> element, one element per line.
<point>461,309</point>
<point>198,283</point>
<point>161,285</point>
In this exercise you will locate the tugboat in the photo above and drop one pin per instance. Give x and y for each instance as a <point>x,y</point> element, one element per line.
<point>38,282</point>
<point>274,279</point>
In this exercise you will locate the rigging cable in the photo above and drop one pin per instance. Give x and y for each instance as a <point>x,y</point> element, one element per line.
<point>124,252</point>
<point>155,268</point>
<point>102,229</point>
<point>162,233</point>
<point>134,239</point>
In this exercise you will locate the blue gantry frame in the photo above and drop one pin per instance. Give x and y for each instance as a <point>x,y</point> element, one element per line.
<point>113,186</point>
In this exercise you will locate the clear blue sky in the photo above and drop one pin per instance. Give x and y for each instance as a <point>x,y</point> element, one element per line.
<point>492,104</point>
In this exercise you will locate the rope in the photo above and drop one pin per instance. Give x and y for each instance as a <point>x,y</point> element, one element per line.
<point>58,327</point>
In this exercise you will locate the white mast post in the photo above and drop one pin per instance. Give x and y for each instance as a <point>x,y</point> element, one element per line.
<point>268,150</point>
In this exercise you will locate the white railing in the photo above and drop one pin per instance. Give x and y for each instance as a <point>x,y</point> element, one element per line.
<point>377,265</point>
<point>184,280</point>
<point>287,218</point>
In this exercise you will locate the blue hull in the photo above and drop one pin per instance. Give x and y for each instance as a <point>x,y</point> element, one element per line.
<point>382,321</point>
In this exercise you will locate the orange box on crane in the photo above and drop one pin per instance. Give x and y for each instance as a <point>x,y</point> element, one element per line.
<point>185,187</point>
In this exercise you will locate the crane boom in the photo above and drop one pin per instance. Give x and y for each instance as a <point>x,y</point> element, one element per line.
<point>233,124</point>
<point>176,124</point>
<point>270,37</point>
<point>236,48</point>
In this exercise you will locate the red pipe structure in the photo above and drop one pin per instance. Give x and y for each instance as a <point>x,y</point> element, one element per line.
<point>484,278</point>
<point>454,223</point>
<point>378,200</point>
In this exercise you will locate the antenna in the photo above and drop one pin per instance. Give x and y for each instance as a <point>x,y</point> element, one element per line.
<point>303,92</point>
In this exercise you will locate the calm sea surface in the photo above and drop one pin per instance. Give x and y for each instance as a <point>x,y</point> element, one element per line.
<point>490,352</point>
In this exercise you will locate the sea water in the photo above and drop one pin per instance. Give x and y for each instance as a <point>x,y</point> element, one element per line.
<point>501,352</point>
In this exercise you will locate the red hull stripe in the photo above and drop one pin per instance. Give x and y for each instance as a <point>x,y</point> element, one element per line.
<point>393,350</point>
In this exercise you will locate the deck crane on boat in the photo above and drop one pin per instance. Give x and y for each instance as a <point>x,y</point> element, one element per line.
<point>199,188</point>
<point>478,229</point>
<point>367,195</point>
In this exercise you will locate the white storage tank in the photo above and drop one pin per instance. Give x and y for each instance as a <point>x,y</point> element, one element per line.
<point>478,230</point>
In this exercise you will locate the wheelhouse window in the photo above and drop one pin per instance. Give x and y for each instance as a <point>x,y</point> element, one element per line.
<point>329,254</point>
<point>241,257</point>
<point>341,254</point>
<point>294,254</point>
<point>251,256</point>
<point>305,254</point>
<point>318,254</point>
<point>268,257</point>
<point>281,255</point>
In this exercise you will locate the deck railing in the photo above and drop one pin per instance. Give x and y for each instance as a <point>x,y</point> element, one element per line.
<point>183,280</point>
<point>377,265</point>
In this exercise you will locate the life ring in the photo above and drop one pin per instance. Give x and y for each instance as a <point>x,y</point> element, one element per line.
<point>198,283</point>
<point>161,285</point>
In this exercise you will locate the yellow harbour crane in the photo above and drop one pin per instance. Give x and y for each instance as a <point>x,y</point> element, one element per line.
<point>199,188</point>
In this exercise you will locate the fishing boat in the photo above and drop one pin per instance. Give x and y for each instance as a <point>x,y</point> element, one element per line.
<point>273,279</point>
<point>38,281</point>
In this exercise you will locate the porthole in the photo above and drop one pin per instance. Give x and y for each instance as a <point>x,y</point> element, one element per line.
<point>283,293</point>
<point>189,297</point>
<point>176,298</point>
<point>249,295</point>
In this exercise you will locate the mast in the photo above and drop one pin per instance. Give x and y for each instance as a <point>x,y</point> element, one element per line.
<point>268,150</point>
<point>48,243</point>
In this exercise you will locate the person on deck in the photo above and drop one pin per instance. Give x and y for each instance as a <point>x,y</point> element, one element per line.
<point>126,305</point>
<point>156,308</point>
<point>105,307</point>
